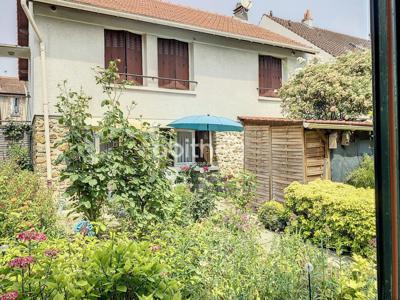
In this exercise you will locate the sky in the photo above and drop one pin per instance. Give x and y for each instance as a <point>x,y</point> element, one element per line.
<point>346,16</point>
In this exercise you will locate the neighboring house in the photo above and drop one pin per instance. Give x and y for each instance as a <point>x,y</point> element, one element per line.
<point>183,61</point>
<point>328,44</point>
<point>13,100</point>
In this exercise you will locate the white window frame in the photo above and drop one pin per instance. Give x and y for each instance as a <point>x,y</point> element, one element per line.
<point>13,113</point>
<point>193,160</point>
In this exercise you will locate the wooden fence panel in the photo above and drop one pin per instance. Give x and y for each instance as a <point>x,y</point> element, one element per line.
<point>287,158</point>
<point>315,156</point>
<point>258,159</point>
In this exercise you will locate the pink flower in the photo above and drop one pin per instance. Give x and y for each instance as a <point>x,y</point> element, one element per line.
<point>155,248</point>
<point>206,169</point>
<point>21,262</point>
<point>10,296</point>
<point>52,253</point>
<point>31,235</point>
<point>185,168</point>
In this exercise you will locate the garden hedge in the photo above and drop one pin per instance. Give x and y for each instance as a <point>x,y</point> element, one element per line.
<point>337,215</point>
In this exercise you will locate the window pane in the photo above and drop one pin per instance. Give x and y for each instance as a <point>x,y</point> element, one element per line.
<point>184,147</point>
<point>203,148</point>
<point>270,75</point>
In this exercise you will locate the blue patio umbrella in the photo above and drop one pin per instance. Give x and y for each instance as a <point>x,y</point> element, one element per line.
<point>207,123</point>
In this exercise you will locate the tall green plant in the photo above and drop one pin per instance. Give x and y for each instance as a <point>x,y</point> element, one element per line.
<point>364,175</point>
<point>132,176</point>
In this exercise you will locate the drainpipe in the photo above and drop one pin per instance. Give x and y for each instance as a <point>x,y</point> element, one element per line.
<point>24,5</point>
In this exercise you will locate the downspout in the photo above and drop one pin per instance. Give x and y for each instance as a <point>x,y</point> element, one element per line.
<point>24,5</point>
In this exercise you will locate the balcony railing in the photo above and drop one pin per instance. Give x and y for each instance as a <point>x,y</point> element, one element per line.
<point>268,92</point>
<point>163,82</point>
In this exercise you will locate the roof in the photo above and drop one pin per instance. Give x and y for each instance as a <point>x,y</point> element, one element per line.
<point>186,17</point>
<point>334,43</point>
<point>309,124</point>
<point>12,86</point>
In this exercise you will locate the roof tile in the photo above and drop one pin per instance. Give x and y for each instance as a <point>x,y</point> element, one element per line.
<point>164,10</point>
<point>332,42</point>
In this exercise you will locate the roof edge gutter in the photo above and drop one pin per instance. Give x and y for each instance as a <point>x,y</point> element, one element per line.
<point>337,127</point>
<point>142,18</point>
<point>24,5</point>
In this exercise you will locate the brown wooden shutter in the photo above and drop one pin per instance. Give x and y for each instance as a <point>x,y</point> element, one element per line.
<point>134,57</point>
<point>115,49</point>
<point>182,65</point>
<point>270,75</point>
<point>173,62</point>
<point>23,40</point>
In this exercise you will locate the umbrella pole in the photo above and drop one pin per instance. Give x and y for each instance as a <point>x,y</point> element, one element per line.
<point>211,148</point>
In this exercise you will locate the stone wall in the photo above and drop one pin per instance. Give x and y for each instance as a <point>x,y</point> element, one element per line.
<point>229,151</point>
<point>39,150</point>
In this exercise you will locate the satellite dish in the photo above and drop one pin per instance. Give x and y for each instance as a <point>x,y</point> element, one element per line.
<point>247,4</point>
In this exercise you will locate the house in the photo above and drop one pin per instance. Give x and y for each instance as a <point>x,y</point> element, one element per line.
<point>183,61</point>
<point>13,100</point>
<point>327,43</point>
<point>279,151</point>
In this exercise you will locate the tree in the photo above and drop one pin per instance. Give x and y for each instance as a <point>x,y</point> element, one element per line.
<point>336,90</point>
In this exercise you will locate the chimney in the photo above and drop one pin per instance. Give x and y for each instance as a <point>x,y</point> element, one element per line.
<point>240,12</point>
<point>308,19</point>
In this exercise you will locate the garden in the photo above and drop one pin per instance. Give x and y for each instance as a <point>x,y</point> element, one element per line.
<point>145,231</point>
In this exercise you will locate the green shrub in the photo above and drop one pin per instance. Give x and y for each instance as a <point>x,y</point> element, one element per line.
<point>273,215</point>
<point>221,258</point>
<point>364,175</point>
<point>338,215</point>
<point>21,156</point>
<point>86,268</point>
<point>24,202</point>
<point>241,188</point>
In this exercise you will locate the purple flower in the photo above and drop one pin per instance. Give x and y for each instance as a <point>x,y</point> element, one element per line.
<point>31,235</point>
<point>10,296</point>
<point>21,262</point>
<point>52,253</point>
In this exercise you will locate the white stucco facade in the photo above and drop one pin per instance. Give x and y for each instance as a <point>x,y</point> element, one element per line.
<point>226,69</point>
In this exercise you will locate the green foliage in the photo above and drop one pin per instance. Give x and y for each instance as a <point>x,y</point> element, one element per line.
<point>364,175</point>
<point>24,202</point>
<point>339,215</point>
<point>132,176</point>
<point>273,215</point>
<point>15,131</point>
<point>336,90</point>
<point>241,188</point>
<point>88,268</point>
<point>21,156</point>
<point>359,281</point>
<point>221,259</point>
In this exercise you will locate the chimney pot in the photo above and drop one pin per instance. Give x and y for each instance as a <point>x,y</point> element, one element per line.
<point>308,19</point>
<point>240,12</point>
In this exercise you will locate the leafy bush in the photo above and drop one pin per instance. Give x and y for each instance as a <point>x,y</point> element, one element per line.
<point>241,188</point>
<point>85,268</point>
<point>273,215</point>
<point>336,90</point>
<point>24,202</point>
<point>221,259</point>
<point>21,156</point>
<point>132,176</point>
<point>364,175</point>
<point>339,215</point>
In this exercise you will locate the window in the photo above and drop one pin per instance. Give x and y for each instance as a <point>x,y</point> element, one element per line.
<point>173,63</point>
<point>15,106</point>
<point>270,75</point>
<point>193,147</point>
<point>127,47</point>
